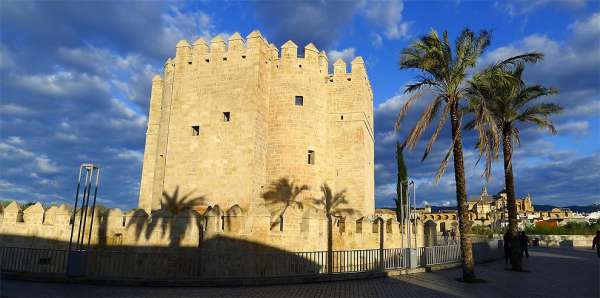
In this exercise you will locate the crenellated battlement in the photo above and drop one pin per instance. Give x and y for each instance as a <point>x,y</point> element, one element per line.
<point>295,229</point>
<point>236,47</point>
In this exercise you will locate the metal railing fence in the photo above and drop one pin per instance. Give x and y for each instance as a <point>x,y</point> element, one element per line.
<point>17,259</point>
<point>105,264</point>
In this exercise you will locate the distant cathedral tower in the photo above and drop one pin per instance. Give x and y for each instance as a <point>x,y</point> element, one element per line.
<point>227,119</point>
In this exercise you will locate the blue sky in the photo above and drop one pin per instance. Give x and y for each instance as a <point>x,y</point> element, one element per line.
<point>75,85</point>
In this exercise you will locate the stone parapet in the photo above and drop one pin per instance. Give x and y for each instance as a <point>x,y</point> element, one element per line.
<point>300,229</point>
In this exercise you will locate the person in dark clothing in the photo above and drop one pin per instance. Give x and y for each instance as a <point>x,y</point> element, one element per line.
<point>596,243</point>
<point>445,234</point>
<point>523,240</point>
<point>506,247</point>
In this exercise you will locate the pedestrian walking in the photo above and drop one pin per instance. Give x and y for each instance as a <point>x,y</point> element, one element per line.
<point>596,243</point>
<point>445,234</point>
<point>523,240</point>
<point>453,236</point>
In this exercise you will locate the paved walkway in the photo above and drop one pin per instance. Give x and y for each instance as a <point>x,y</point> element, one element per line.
<point>554,273</point>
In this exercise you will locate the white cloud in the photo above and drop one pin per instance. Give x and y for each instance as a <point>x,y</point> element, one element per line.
<point>61,84</point>
<point>520,7</point>
<point>387,137</point>
<point>377,40</point>
<point>62,136</point>
<point>571,66</point>
<point>575,127</point>
<point>593,108</point>
<point>128,154</point>
<point>10,150</point>
<point>45,164</point>
<point>388,14</point>
<point>392,104</point>
<point>14,109</point>
<point>14,140</point>
<point>346,54</point>
<point>386,190</point>
<point>177,25</point>
<point>587,27</point>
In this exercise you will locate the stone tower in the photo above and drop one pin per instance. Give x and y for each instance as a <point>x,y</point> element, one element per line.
<point>227,119</point>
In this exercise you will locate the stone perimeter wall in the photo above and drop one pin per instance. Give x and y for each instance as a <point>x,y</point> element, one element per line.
<point>564,240</point>
<point>36,227</point>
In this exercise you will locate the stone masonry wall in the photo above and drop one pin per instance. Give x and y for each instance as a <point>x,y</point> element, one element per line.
<point>302,230</point>
<point>265,136</point>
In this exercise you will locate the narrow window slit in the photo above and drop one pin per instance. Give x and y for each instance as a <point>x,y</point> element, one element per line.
<point>311,157</point>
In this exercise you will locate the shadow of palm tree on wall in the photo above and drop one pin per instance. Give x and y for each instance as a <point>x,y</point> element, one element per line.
<point>332,205</point>
<point>282,194</point>
<point>176,215</point>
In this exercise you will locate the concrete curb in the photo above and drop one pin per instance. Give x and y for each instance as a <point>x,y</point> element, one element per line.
<point>262,281</point>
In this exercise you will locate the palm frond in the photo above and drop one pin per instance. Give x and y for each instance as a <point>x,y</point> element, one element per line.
<point>516,136</point>
<point>443,164</point>
<point>532,57</point>
<point>426,117</point>
<point>438,130</point>
<point>531,93</point>
<point>405,109</point>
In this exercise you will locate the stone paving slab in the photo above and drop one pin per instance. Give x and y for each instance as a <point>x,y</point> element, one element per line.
<point>553,273</point>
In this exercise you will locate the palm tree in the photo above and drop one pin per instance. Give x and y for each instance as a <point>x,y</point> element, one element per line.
<point>332,205</point>
<point>282,194</point>
<point>443,73</point>
<point>499,99</point>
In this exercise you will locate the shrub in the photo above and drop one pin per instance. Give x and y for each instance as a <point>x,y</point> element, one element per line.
<point>570,228</point>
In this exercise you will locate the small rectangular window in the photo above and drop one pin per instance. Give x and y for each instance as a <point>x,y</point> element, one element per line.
<point>299,100</point>
<point>342,225</point>
<point>226,116</point>
<point>311,157</point>
<point>195,130</point>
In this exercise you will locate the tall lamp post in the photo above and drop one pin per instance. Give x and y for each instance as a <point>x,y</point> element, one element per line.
<point>89,174</point>
<point>407,216</point>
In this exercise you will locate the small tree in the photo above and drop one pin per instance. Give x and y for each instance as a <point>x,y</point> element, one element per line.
<point>401,184</point>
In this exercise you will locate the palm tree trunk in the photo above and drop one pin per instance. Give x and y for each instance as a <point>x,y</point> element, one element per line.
<point>466,248</point>
<point>329,244</point>
<point>515,246</point>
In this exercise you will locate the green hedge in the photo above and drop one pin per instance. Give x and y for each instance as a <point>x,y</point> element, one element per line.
<point>570,228</point>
